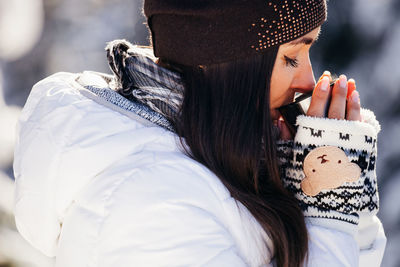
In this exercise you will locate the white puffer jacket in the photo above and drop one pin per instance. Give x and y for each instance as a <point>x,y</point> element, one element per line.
<point>96,188</point>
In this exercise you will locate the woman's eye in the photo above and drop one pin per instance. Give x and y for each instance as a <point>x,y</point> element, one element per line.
<point>291,62</point>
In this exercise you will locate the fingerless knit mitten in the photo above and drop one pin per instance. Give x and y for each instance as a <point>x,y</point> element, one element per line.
<point>330,168</point>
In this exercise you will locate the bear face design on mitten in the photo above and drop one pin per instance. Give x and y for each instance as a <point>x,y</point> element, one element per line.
<point>327,167</point>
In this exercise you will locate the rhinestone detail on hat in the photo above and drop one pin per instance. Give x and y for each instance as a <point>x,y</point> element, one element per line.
<point>293,18</point>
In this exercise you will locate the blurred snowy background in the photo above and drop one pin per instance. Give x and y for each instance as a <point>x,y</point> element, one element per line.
<point>40,37</point>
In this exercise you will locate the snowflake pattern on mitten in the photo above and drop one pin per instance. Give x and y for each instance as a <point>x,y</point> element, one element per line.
<point>358,142</point>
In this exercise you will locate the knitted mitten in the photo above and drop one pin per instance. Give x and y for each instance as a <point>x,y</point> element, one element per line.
<point>330,168</point>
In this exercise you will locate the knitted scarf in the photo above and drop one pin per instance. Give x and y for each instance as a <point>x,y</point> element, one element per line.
<point>139,78</point>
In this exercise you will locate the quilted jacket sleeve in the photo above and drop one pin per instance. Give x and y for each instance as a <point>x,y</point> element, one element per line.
<point>341,216</point>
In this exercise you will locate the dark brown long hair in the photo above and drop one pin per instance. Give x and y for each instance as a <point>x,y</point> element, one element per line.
<point>225,121</point>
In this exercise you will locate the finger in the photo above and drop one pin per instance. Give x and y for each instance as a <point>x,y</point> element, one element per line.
<point>285,133</point>
<point>353,107</point>
<point>337,108</point>
<point>351,86</point>
<point>319,98</point>
<point>326,73</point>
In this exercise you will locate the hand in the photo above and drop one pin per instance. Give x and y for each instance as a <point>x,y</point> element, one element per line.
<point>339,108</point>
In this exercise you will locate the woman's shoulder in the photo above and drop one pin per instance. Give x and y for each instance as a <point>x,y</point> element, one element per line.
<point>54,99</point>
<point>51,87</point>
<point>59,110</point>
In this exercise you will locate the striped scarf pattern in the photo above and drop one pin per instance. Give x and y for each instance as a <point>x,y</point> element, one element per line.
<point>139,78</point>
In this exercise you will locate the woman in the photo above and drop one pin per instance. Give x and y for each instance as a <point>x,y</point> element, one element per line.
<point>175,161</point>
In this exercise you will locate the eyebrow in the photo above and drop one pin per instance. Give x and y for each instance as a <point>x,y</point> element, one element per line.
<point>304,40</point>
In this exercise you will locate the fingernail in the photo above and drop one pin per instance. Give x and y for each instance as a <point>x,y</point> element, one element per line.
<point>343,81</point>
<point>355,97</point>
<point>351,80</point>
<point>327,73</point>
<point>351,86</point>
<point>325,84</point>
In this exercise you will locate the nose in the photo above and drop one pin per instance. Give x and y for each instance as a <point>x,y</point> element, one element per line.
<point>304,81</point>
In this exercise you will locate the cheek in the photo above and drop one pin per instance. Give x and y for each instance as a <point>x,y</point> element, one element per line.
<point>281,80</point>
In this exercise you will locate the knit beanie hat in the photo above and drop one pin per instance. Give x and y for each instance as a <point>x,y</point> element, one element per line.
<point>202,32</point>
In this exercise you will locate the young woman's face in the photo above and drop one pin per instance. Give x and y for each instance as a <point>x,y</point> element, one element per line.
<point>292,71</point>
